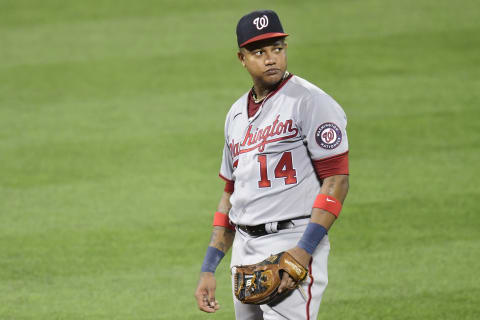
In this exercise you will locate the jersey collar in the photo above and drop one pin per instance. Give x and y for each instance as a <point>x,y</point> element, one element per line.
<point>271,94</point>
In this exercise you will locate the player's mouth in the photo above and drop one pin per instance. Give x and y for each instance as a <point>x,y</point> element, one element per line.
<point>272,72</point>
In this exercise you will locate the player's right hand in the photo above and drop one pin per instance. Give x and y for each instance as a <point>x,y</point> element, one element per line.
<point>205,293</point>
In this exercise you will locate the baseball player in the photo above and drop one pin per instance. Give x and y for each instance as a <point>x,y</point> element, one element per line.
<point>285,164</point>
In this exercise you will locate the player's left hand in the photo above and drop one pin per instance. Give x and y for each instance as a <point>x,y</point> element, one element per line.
<point>303,257</point>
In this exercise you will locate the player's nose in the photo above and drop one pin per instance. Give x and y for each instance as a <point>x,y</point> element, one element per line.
<point>269,58</point>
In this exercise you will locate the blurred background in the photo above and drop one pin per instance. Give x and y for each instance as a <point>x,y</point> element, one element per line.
<point>111,135</point>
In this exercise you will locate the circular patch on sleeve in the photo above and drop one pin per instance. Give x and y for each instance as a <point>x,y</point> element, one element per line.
<point>328,136</point>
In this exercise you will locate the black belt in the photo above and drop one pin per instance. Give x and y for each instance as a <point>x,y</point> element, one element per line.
<point>267,228</point>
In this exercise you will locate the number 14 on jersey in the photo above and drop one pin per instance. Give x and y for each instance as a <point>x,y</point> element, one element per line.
<point>284,169</point>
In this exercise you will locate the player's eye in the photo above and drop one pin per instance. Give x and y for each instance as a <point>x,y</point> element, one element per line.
<point>258,53</point>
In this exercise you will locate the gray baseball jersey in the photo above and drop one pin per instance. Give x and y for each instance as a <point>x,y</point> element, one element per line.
<point>269,156</point>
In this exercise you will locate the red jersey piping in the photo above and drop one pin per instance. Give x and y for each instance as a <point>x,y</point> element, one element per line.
<point>226,180</point>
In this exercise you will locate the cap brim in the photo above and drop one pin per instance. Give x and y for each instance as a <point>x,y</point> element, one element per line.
<point>264,36</point>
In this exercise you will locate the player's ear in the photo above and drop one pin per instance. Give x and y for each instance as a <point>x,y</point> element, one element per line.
<point>241,56</point>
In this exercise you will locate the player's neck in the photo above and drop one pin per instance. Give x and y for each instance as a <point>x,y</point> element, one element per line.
<point>261,91</point>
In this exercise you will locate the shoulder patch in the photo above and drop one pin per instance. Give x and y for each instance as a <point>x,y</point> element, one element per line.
<point>328,136</point>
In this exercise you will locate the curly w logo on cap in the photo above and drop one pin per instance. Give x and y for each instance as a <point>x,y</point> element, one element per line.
<point>261,22</point>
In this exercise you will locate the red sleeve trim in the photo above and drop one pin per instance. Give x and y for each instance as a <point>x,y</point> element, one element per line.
<point>226,180</point>
<point>331,166</point>
<point>221,219</point>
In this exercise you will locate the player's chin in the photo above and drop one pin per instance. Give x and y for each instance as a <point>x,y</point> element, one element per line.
<point>272,76</point>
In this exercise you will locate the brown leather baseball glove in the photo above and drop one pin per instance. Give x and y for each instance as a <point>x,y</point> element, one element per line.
<point>258,283</point>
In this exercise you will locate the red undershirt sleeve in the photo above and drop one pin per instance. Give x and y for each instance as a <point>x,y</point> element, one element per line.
<point>332,166</point>
<point>229,187</point>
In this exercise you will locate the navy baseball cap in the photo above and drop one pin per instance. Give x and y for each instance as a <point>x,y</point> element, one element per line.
<point>258,25</point>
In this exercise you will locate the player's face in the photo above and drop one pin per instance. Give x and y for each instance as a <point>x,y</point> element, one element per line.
<point>266,61</point>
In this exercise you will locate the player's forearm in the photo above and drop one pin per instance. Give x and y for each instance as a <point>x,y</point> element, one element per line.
<point>324,213</point>
<point>222,238</point>
<point>337,187</point>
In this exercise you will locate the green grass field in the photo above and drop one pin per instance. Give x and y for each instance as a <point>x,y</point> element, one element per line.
<point>111,129</point>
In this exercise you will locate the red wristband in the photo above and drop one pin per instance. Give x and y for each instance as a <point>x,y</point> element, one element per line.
<point>328,203</point>
<point>221,219</point>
